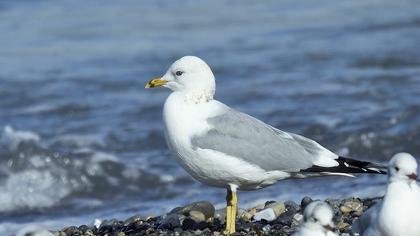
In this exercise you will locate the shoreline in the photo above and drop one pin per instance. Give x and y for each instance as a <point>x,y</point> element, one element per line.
<point>201,218</point>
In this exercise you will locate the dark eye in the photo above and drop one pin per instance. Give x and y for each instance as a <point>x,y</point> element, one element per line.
<point>179,73</point>
<point>397,169</point>
<point>315,219</point>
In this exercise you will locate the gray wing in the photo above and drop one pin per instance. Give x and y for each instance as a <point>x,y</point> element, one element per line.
<point>253,141</point>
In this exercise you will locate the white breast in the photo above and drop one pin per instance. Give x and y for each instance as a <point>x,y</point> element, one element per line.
<point>184,119</point>
<point>401,210</point>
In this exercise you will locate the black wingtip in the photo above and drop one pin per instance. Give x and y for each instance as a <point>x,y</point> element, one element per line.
<point>348,165</point>
<point>367,167</point>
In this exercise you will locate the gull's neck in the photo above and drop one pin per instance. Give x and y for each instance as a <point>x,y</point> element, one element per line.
<point>395,181</point>
<point>197,96</point>
<point>401,185</point>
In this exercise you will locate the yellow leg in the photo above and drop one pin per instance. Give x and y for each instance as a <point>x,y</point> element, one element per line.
<point>228,212</point>
<point>234,209</point>
<point>231,208</point>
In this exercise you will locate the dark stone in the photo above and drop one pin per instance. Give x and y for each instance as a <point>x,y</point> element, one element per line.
<point>292,206</point>
<point>335,206</point>
<point>268,203</point>
<point>170,221</point>
<point>217,225</point>
<point>176,210</point>
<point>178,230</point>
<point>245,227</point>
<point>186,233</point>
<point>203,225</point>
<point>105,229</point>
<point>207,232</point>
<point>143,226</point>
<point>153,219</point>
<point>111,225</point>
<point>266,228</point>
<point>286,218</point>
<point>134,219</point>
<point>72,231</point>
<point>130,228</point>
<point>305,202</point>
<point>90,232</point>
<point>83,228</point>
<point>369,202</point>
<point>189,224</point>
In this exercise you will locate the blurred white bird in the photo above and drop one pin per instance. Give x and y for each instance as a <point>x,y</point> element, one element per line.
<point>317,220</point>
<point>33,230</point>
<point>398,214</point>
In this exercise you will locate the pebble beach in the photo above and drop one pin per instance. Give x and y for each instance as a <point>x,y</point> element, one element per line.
<point>201,218</point>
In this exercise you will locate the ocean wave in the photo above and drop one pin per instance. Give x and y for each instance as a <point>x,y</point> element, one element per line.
<point>34,175</point>
<point>12,138</point>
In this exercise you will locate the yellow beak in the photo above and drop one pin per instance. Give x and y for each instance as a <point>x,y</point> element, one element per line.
<point>155,83</point>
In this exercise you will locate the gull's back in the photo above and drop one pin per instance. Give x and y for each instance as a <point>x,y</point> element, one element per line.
<point>245,137</point>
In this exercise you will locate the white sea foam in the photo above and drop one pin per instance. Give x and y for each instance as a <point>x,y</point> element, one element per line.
<point>167,178</point>
<point>31,189</point>
<point>42,180</point>
<point>40,108</point>
<point>103,156</point>
<point>12,138</point>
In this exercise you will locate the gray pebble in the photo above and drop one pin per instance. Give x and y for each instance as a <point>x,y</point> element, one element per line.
<point>203,206</point>
<point>278,208</point>
<point>197,216</point>
<point>267,214</point>
<point>266,228</point>
<point>134,219</point>
<point>170,221</point>
<point>292,206</point>
<point>220,215</point>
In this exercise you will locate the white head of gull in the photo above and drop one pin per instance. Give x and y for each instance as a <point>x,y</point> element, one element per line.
<point>317,220</point>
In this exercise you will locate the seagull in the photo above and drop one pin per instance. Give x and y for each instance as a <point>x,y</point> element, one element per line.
<point>225,148</point>
<point>398,213</point>
<point>317,220</point>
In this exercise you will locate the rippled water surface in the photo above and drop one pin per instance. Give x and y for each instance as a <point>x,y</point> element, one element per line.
<point>81,139</point>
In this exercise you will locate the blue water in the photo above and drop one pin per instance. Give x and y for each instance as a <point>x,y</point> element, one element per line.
<point>81,139</point>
